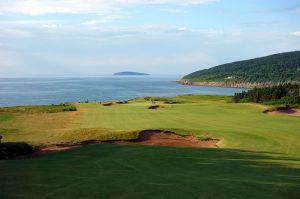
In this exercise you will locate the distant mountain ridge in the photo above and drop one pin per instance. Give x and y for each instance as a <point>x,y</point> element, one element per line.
<point>130,73</point>
<point>259,72</point>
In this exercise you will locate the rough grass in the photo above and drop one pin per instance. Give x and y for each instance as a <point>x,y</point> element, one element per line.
<point>89,134</point>
<point>5,116</point>
<point>39,128</point>
<point>181,99</point>
<point>39,109</point>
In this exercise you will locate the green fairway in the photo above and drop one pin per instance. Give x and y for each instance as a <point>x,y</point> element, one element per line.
<point>239,126</point>
<point>258,154</point>
<point>120,171</point>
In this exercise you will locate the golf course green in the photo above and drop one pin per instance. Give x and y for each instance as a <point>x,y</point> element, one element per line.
<point>258,154</point>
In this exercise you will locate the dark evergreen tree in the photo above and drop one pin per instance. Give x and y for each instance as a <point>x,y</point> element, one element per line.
<point>281,94</point>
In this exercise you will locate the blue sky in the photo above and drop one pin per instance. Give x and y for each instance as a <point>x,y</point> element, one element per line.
<point>98,37</point>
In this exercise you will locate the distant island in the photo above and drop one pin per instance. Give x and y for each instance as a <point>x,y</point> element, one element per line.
<point>260,72</point>
<point>127,73</point>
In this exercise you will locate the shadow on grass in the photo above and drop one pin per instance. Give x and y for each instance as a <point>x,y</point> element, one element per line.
<point>13,149</point>
<point>126,171</point>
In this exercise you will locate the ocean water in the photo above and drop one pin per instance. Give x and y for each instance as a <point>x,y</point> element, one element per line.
<point>26,91</point>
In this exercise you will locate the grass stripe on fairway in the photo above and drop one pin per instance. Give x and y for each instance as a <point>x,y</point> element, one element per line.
<point>123,171</point>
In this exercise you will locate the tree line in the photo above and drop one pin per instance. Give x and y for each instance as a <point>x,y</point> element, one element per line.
<point>288,94</point>
<point>278,68</point>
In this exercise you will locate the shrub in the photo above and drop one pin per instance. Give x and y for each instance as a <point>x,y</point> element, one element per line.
<point>40,109</point>
<point>278,108</point>
<point>165,100</point>
<point>13,149</point>
<point>154,107</point>
<point>288,100</point>
<point>122,102</point>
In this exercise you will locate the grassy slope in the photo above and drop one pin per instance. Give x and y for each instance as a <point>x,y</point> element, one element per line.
<point>272,169</point>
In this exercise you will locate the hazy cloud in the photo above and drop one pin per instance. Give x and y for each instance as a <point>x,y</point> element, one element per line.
<point>175,11</point>
<point>103,20</point>
<point>188,59</point>
<point>38,7</point>
<point>296,33</point>
<point>107,36</point>
<point>50,26</point>
<point>11,32</point>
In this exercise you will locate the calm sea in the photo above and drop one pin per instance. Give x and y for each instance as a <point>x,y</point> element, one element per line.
<point>25,91</point>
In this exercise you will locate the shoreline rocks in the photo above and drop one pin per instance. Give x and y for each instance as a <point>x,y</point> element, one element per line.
<point>229,84</point>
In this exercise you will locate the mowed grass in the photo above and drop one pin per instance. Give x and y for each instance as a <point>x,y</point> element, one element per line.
<point>239,126</point>
<point>123,171</point>
<point>258,155</point>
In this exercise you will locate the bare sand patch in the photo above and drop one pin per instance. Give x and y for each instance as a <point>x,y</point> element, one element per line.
<point>167,138</point>
<point>292,112</point>
<point>53,148</point>
<point>147,137</point>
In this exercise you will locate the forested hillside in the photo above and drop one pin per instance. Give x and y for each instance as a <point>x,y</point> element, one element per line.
<point>288,94</point>
<point>278,68</point>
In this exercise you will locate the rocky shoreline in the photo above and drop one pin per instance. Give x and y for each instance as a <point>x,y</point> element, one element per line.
<point>227,84</point>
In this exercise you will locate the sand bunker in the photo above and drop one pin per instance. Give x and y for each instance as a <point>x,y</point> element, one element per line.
<point>292,112</point>
<point>165,138</point>
<point>154,107</point>
<point>53,148</point>
<point>148,137</point>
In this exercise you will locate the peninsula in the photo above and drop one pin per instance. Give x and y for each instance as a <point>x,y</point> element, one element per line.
<point>259,72</point>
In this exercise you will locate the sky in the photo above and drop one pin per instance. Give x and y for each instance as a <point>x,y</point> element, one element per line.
<point>100,37</point>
